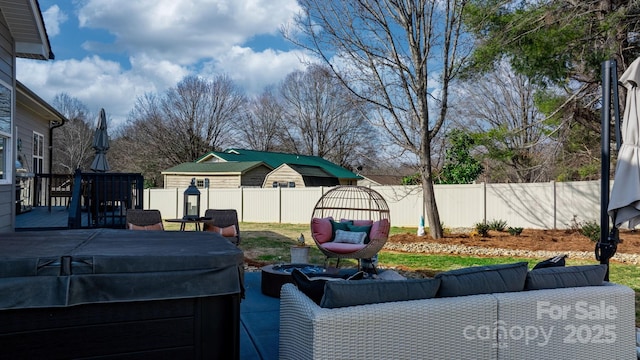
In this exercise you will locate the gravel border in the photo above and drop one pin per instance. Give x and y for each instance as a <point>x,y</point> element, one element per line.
<point>437,248</point>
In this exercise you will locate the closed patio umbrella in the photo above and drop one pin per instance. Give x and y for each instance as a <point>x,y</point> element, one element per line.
<point>624,205</point>
<point>101,145</point>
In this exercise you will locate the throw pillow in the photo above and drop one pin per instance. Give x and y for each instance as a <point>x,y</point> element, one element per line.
<point>562,277</point>
<point>349,237</point>
<point>352,293</point>
<point>365,229</point>
<point>321,229</point>
<point>483,280</point>
<point>552,262</point>
<point>358,222</point>
<point>313,286</point>
<point>227,231</point>
<point>380,229</point>
<point>343,225</point>
<point>157,226</point>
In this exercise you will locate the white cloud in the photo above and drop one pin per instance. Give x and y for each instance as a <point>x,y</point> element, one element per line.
<point>152,44</point>
<point>183,31</point>
<point>53,17</point>
<point>253,70</point>
<point>96,82</point>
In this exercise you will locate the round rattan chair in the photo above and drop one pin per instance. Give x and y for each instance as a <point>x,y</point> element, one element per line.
<point>356,204</point>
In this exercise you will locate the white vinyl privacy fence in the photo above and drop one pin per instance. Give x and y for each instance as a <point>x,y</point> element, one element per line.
<point>533,205</point>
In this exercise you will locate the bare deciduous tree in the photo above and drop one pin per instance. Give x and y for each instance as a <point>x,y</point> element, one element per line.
<point>512,133</point>
<point>199,116</point>
<point>195,117</point>
<point>263,123</point>
<point>72,141</point>
<point>322,118</point>
<point>387,53</point>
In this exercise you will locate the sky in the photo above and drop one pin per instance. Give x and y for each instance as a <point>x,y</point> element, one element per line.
<point>110,52</point>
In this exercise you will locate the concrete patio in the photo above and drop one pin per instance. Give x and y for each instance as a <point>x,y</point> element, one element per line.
<point>259,322</point>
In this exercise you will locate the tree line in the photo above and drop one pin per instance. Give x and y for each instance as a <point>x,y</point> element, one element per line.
<point>441,91</point>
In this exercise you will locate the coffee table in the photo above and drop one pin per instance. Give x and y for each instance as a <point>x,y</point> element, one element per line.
<point>274,276</point>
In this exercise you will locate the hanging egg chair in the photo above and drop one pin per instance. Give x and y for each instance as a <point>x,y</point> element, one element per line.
<point>340,218</point>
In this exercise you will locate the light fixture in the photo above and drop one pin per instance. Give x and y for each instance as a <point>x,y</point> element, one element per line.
<point>191,202</point>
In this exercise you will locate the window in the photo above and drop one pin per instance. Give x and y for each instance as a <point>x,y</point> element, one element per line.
<point>200,183</point>
<point>3,157</point>
<point>5,133</point>
<point>38,153</point>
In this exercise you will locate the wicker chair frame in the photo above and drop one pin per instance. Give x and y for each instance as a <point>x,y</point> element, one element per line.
<point>142,217</point>
<point>223,218</point>
<point>352,203</point>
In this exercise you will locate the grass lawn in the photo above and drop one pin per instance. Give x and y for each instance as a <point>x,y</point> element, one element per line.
<point>270,243</point>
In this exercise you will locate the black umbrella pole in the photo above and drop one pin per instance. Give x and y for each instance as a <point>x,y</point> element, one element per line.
<point>606,247</point>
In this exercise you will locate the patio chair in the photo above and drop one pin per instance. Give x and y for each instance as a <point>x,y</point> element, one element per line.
<point>224,222</point>
<point>138,219</point>
<point>339,218</point>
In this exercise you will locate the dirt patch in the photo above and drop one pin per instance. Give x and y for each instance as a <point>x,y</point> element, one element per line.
<point>529,239</point>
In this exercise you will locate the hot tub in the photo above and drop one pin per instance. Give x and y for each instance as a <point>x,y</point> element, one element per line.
<point>115,293</point>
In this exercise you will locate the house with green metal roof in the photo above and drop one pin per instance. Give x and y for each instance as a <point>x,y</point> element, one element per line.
<point>217,175</point>
<point>284,170</point>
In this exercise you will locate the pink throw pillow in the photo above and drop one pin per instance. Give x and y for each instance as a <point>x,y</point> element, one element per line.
<point>321,229</point>
<point>362,222</point>
<point>157,226</point>
<point>380,229</point>
<point>228,231</point>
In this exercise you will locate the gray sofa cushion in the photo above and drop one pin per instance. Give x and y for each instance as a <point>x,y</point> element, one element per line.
<point>313,286</point>
<point>561,277</point>
<point>350,293</point>
<point>483,280</point>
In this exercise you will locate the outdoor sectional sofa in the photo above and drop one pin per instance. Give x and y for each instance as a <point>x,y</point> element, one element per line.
<point>555,313</point>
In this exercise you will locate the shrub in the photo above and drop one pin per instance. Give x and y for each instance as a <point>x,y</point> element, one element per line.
<point>497,225</point>
<point>591,229</point>
<point>574,224</point>
<point>482,229</point>
<point>515,231</point>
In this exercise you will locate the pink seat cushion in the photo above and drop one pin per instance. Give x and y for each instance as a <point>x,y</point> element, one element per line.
<point>342,248</point>
<point>321,229</point>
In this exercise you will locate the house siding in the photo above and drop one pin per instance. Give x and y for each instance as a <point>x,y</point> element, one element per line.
<point>255,176</point>
<point>30,122</point>
<point>348,182</point>
<point>215,181</point>
<point>284,174</point>
<point>7,195</point>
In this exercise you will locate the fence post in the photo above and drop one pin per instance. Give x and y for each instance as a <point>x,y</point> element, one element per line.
<point>555,204</point>
<point>484,202</point>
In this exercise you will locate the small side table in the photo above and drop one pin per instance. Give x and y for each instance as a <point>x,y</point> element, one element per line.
<point>184,222</point>
<point>300,254</point>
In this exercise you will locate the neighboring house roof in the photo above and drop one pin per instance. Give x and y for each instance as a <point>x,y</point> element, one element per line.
<point>26,24</point>
<point>220,168</point>
<point>275,159</point>
<point>385,179</point>
<point>34,102</point>
<point>313,171</point>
